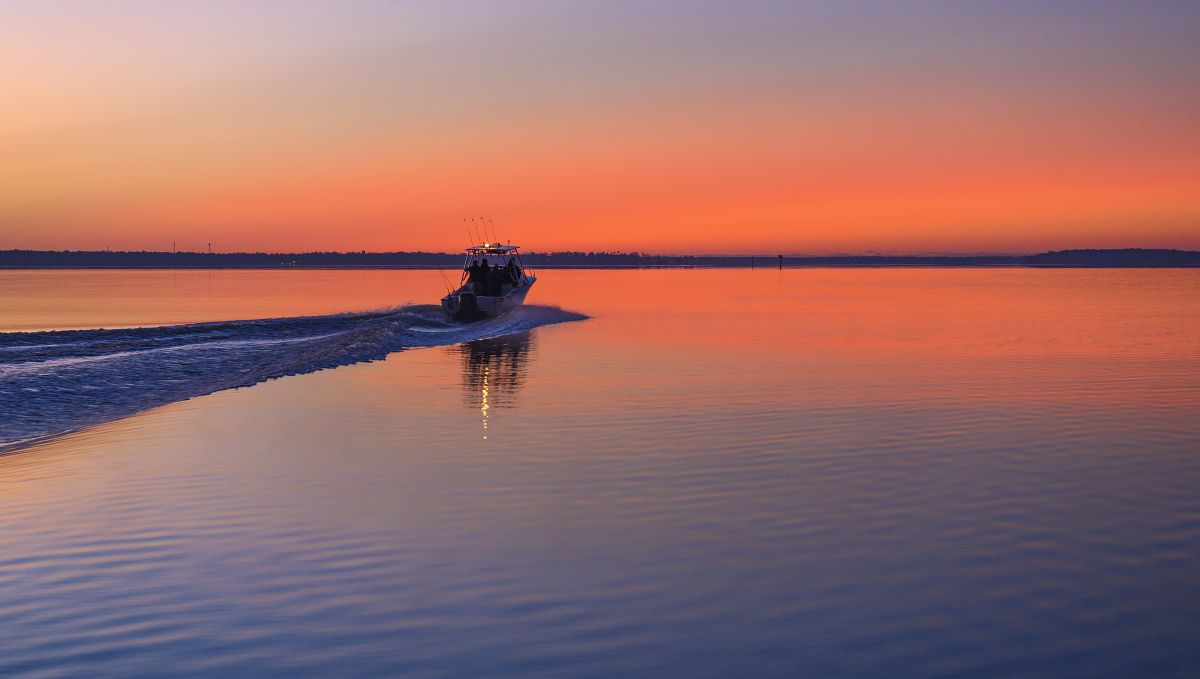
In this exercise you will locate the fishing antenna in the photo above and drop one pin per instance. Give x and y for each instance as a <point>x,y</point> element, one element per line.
<point>470,241</point>
<point>493,225</point>
<point>480,239</point>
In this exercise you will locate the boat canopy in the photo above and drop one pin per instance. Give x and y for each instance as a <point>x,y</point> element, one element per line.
<point>492,249</point>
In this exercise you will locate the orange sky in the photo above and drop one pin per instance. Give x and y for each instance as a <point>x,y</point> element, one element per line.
<point>693,127</point>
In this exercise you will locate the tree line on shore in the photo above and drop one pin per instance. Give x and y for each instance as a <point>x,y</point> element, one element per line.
<point>1130,257</point>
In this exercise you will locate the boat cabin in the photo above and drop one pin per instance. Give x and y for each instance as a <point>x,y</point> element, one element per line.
<point>492,270</point>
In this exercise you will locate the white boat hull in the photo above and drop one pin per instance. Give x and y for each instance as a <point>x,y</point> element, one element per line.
<point>465,305</point>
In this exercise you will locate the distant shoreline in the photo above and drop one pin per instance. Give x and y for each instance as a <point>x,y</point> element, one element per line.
<point>1116,258</point>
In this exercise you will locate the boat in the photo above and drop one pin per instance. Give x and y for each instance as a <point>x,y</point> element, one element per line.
<point>493,281</point>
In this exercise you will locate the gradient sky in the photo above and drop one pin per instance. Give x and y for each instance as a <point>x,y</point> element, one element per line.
<point>798,127</point>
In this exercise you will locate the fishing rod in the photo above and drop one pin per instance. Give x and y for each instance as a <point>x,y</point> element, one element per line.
<point>475,233</point>
<point>484,224</point>
<point>445,281</point>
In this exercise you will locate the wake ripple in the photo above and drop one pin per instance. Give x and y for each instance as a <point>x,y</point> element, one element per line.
<point>58,381</point>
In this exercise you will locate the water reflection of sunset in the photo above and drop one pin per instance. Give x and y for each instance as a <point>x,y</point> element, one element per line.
<point>493,371</point>
<point>818,455</point>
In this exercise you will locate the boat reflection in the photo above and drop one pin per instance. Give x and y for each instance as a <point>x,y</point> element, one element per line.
<point>493,372</point>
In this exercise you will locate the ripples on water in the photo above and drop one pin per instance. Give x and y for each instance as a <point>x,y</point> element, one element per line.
<point>824,476</point>
<point>56,381</point>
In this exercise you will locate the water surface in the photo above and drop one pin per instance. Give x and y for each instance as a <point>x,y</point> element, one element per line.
<point>821,472</point>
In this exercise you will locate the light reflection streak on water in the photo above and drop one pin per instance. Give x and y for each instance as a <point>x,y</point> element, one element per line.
<point>483,407</point>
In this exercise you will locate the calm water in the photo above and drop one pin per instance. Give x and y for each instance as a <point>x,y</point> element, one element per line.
<point>813,472</point>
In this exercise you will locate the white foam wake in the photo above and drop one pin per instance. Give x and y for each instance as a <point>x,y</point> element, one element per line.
<point>54,382</point>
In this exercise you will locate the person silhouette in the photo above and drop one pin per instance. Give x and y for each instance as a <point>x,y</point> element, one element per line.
<point>493,281</point>
<point>483,276</point>
<point>474,273</point>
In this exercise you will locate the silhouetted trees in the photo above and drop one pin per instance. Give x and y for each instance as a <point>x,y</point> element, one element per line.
<point>1131,257</point>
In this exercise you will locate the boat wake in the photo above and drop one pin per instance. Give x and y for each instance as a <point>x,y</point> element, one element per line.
<point>58,381</point>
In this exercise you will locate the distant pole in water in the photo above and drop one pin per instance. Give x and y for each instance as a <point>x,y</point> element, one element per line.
<point>781,262</point>
<point>751,261</point>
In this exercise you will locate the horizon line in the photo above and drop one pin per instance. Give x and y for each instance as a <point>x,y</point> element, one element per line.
<point>640,253</point>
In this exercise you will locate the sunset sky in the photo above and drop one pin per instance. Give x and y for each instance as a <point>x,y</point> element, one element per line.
<point>669,127</point>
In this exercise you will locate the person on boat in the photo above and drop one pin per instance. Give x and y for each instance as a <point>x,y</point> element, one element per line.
<point>481,275</point>
<point>472,270</point>
<point>493,281</point>
<point>514,274</point>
